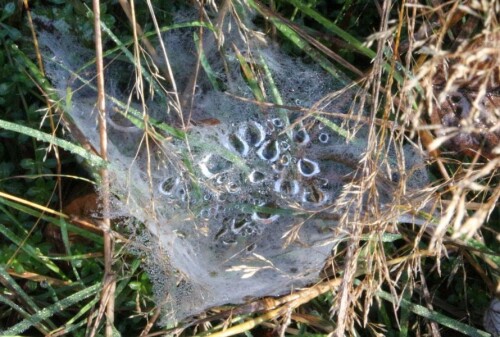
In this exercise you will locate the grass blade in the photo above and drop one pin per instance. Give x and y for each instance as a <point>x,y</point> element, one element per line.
<point>435,316</point>
<point>45,137</point>
<point>49,311</point>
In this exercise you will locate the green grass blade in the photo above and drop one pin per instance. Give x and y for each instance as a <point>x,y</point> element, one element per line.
<point>335,128</point>
<point>275,94</point>
<point>23,313</point>
<point>355,43</point>
<point>45,137</point>
<point>250,76</point>
<point>20,292</point>
<point>435,316</point>
<point>212,76</point>
<point>70,325</point>
<point>49,311</point>
<point>290,34</point>
<point>31,251</point>
<point>333,28</point>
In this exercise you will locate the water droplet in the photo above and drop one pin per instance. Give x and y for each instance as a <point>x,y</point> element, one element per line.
<point>238,144</point>
<point>181,194</point>
<point>220,233</point>
<point>221,179</point>
<point>301,137</point>
<point>265,216</point>
<point>167,186</point>
<point>250,248</point>
<point>286,187</point>
<point>256,177</point>
<point>248,231</point>
<point>269,151</point>
<point>205,213</point>
<point>229,242</point>
<point>277,122</point>
<point>324,138</point>
<point>233,187</point>
<point>212,165</point>
<point>253,133</point>
<point>308,168</point>
<point>285,160</point>
<point>238,225</point>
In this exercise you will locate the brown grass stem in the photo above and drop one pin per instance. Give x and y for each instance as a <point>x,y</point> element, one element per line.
<point>109,283</point>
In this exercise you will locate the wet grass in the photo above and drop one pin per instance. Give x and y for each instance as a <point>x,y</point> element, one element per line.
<point>387,279</point>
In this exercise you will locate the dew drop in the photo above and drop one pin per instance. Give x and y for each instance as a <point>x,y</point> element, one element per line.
<point>286,187</point>
<point>265,217</point>
<point>250,248</point>
<point>167,186</point>
<point>277,122</point>
<point>253,133</point>
<point>220,233</point>
<point>324,138</point>
<point>269,151</point>
<point>285,146</point>
<point>301,137</point>
<point>212,165</point>
<point>256,177</point>
<point>205,213</point>
<point>233,187</point>
<point>239,225</point>
<point>181,194</point>
<point>238,144</point>
<point>285,160</point>
<point>308,168</point>
<point>229,242</point>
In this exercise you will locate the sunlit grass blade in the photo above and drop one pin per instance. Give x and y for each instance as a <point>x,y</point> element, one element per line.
<point>435,316</point>
<point>31,251</point>
<point>45,137</point>
<point>7,280</point>
<point>275,94</point>
<point>297,40</point>
<point>351,40</point>
<point>211,75</point>
<point>404,315</point>
<point>290,34</point>
<point>53,309</point>
<point>250,76</point>
<point>72,324</point>
<point>23,313</point>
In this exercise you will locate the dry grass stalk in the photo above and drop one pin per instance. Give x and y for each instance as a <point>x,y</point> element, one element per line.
<point>109,282</point>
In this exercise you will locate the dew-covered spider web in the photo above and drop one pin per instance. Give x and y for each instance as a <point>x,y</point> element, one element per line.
<point>243,200</point>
